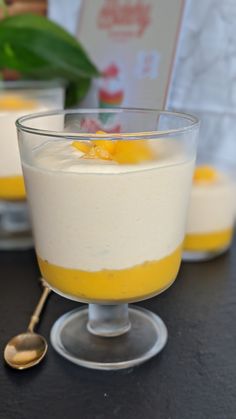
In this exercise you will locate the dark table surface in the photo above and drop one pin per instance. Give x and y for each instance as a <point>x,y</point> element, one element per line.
<point>193,378</point>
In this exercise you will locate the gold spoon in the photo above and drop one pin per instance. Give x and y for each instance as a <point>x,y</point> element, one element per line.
<point>28,349</point>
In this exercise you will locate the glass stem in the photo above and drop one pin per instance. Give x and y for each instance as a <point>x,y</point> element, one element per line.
<point>108,320</point>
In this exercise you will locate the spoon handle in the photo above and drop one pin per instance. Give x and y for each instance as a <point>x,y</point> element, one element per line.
<point>35,316</point>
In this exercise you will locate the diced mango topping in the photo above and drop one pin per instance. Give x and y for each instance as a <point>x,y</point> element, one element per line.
<point>109,146</point>
<point>94,150</point>
<point>121,151</point>
<point>15,103</point>
<point>131,152</point>
<point>82,146</point>
<point>205,174</point>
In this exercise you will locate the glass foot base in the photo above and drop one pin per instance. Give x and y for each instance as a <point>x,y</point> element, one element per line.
<point>197,256</point>
<point>146,337</point>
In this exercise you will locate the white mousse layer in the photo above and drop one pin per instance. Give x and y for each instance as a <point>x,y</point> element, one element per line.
<point>212,206</point>
<point>93,215</point>
<point>10,164</point>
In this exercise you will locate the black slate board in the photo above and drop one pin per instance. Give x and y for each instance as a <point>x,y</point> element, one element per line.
<point>193,378</point>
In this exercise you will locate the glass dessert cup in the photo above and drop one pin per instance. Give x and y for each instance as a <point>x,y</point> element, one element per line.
<point>18,98</point>
<point>211,216</point>
<point>108,192</point>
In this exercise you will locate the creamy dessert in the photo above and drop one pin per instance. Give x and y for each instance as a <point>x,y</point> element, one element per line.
<point>12,106</point>
<point>211,213</point>
<point>108,216</point>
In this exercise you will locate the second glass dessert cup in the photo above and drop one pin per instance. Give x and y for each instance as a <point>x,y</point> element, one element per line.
<point>18,98</point>
<point>211,215</point>
<point>108,203</point>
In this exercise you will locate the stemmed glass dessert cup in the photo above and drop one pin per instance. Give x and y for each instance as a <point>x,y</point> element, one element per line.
<point>108,203</point>
<point>212,209</point>
<point>18,98</point>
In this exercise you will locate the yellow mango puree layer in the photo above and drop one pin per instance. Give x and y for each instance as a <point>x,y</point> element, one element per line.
<point>208,241</point>
<point>15,103</point>
<point>12,188</point>
<point>128,284</point>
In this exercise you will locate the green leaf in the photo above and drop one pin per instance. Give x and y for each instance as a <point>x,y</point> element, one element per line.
<point>41,49</point>
<point>40,23</point>
<point>76,91</point>
<point>3,7</point>
<point>25,62</point>
<point>69,60</point>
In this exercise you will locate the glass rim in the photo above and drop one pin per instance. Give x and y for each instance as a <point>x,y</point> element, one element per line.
<point>194,123</point>
<point>31,84</point>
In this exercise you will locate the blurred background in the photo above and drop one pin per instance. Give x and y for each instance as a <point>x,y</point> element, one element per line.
<point>204,76</point>
<point>204,72</point>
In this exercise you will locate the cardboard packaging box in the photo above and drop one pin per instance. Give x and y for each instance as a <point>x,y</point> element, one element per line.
<point>133,43</point>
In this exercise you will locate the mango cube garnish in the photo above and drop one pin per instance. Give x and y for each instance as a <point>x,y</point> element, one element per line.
<point>109,146</point>
<point>15,103</point>
<point>205,173</point>
<point>131,152</point>
<point>82,146</point>
<point>120,151</point>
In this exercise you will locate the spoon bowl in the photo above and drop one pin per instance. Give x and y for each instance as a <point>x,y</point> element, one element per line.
<point>25,350</point>
<point>28,349</point>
